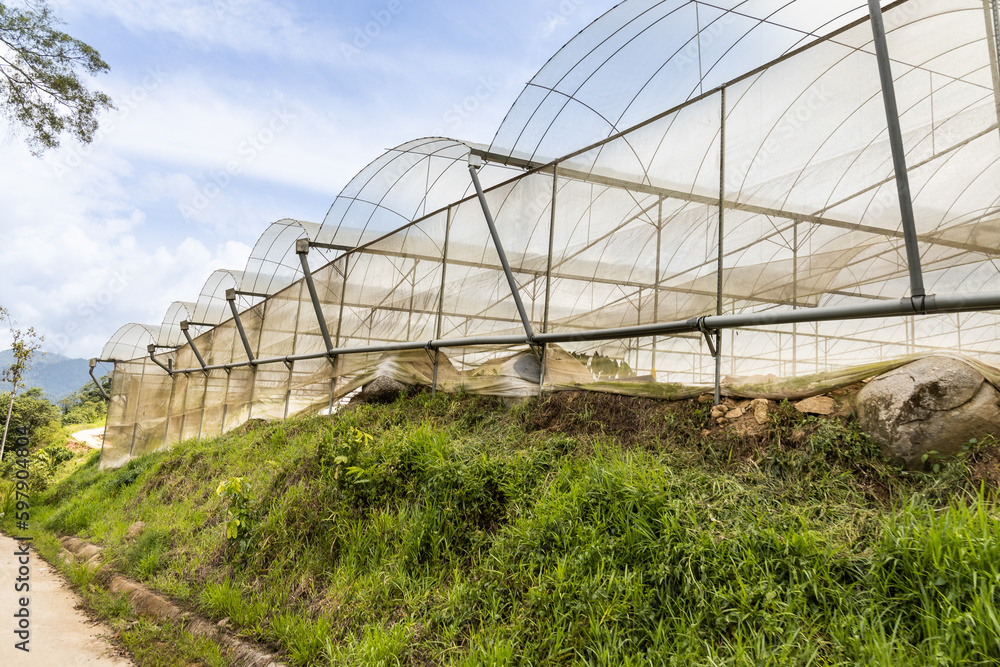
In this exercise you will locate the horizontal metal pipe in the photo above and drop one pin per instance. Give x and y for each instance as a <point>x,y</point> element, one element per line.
<point>956,303</point>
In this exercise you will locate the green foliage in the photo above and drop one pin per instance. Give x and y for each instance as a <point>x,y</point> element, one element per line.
<point>33,411</point>
<point>236,490</point>
<point>444,530</point>
<point>41,88</point>
<point>85,405</point>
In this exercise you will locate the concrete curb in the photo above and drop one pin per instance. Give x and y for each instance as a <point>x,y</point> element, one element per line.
<point>154,605</point>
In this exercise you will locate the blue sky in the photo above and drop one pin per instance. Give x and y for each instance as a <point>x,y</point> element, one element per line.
<point>233,114</point>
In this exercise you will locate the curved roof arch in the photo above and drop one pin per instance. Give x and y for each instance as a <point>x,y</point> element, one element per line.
<point>644,57</point>
<point>130,342</point>
<point>170,334</point>
<point>273,264</point>
<point>403,185</point>
<point>211,307</point>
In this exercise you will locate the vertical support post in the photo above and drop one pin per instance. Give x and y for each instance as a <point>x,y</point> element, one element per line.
<point>992,17</point>
<point>302,249</point>
<point>439,327</point>
<point>231,298</point>
<point>475,162</point>
<point>656,284</point>
<point>996,27</point>
<point>722,236</point>
<point>194,348</point>
<point>343,296</point>
<point>138,406</point>
<point>548,276</point>
<point>898,150</point>
<point>795,296</point>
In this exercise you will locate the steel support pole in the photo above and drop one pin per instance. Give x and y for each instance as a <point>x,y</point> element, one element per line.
<point>548,277</point>
<point>231,298</point>
<point>898,150</point>
<point>302,249</point>
<point>194,348</point>
<point>722,236</point>
<point>474,164</point>
<point>996,27</point>
<point>439,326</point>
<point>656,284</point>
<point>152,350</point>
<point>93,365</point>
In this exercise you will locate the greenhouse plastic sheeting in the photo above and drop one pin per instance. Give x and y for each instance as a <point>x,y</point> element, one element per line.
<point>739,192</point>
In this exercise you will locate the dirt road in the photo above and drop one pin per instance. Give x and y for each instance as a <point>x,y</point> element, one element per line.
<point>92,437</point>
<point>58,634</point>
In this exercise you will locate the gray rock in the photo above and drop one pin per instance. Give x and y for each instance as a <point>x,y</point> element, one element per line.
<point>930,407</point>
<point>383,389</point>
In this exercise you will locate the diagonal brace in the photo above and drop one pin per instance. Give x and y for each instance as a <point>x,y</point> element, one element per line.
<point>302,249</point>
<point>898,150</point>
<point>475,162</point>
<point>93,365</point>
<point>231,298</point>
<point>185,325</point>
<point>152,350</point>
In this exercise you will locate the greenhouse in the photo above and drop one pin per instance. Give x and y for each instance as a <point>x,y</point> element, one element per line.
<point>688,197</point>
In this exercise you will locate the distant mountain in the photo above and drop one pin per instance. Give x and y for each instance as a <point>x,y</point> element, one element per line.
<point>56,375</point>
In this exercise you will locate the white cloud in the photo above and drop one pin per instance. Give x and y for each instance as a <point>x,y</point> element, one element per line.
<point>74,268</point>
<point>245,26</point>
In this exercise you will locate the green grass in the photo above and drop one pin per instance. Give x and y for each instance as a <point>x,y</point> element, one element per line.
<point>592,529</point>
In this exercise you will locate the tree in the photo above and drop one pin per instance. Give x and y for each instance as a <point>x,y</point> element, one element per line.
<point>33,411</point>
<point>40,86</point>
<point>23,345</point>
<point>86,405</point>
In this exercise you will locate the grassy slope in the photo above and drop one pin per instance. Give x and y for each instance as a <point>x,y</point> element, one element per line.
<point>593,529</point>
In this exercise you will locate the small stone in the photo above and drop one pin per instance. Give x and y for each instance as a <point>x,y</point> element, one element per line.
<point>759,406</point>
<point>719,410</point>
<point>135,530</point>
<point>735,413</point>
<point>706,398</point>
<point>817,405</point>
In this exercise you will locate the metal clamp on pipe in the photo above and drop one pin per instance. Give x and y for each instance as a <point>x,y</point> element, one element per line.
<point>708,333</point>
<point>923,304</point>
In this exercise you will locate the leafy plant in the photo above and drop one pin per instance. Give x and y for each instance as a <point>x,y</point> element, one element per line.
<point>236,490</point>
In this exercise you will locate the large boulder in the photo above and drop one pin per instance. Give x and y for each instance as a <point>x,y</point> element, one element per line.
<point>929,407</point>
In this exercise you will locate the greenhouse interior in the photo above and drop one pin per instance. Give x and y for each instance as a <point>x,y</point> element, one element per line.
<point>740,197</point>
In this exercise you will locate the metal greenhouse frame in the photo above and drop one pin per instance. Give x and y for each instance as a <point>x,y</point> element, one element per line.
<point>834,204</point>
